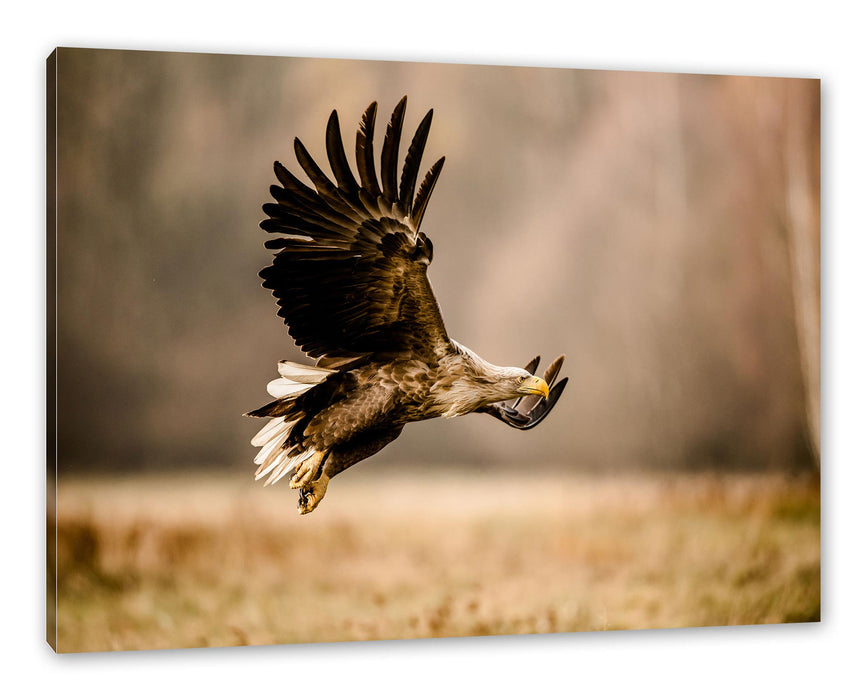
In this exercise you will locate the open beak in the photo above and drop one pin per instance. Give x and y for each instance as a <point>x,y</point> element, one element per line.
<point>535,385</point>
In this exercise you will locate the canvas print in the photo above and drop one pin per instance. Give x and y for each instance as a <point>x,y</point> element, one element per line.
<point>276,416</point>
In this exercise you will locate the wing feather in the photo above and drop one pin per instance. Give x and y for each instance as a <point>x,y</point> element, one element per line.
<point>350,269</point>
<point>389,152</point>
<point>424,193</point>
<point>337,156</point>
<point>324,187</point>
<point>413,163</point>
<point>365,157</point>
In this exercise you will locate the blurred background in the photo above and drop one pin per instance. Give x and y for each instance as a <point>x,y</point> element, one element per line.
<point>671,223</point>
<point>671,220</point>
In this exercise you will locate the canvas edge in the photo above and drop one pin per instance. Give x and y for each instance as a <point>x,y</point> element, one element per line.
<point>51,350</point>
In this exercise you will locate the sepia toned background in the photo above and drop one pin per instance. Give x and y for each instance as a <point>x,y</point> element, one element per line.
<point>661,230</point>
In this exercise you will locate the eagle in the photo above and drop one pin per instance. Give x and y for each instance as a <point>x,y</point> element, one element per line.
<point>350,278</point>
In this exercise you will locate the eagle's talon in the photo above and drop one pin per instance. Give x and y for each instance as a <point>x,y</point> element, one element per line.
<point>311,495</point>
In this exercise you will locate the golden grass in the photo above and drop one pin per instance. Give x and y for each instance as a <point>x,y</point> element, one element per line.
<point>161,562</point>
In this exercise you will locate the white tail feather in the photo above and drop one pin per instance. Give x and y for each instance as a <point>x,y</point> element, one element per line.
<point>275,461</point>
<point>266,468</point>
<point>265,434</point>
<point>303,374</point>
<point>269,448</point>
<point>281,388</point>
<point>295,379</point>
<point>286,466</point>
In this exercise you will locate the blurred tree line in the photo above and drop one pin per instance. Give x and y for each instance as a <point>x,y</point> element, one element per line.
<point>660,229</point>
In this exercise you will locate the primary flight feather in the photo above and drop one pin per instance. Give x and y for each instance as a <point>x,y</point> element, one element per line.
<point>350,279</point>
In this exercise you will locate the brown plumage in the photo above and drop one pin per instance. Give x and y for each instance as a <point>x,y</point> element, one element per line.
<point>350,279</point>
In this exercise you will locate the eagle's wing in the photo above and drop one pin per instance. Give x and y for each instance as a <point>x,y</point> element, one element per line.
<point>528,411</point>
<point>350,276</point>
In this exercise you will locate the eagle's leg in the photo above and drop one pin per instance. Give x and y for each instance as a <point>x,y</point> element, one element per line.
<point>308,470</point>
<point>313,475</point>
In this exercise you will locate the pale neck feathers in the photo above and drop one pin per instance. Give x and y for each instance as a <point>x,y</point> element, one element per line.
<point>470,382</point>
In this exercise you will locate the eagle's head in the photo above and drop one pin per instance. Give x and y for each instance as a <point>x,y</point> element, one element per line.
<point>518,382</point>
<point>493,384</point>
<point>496,384</point>
<point>479,383</point>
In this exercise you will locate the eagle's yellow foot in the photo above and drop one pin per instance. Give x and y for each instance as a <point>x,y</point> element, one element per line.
<point>312,494</point>
<point>307,471</point>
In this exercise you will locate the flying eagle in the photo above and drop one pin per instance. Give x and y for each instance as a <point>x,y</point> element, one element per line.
<point>350,279</point>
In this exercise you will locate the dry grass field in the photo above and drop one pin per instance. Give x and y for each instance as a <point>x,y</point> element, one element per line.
<point>156,562</point>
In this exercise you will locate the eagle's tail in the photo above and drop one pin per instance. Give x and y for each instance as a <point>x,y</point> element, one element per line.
<point>277,457</point>
<point>295,379</point>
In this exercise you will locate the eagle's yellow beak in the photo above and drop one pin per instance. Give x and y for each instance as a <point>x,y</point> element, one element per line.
<point>534,385</point>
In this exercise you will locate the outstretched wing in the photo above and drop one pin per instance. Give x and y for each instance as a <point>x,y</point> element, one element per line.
<point>528,411</point>
<point>350,276</point>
